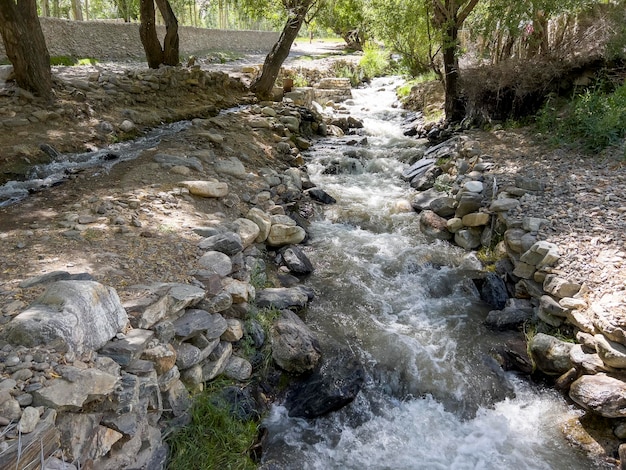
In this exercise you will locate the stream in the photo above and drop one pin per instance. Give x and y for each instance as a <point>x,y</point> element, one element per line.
<point>433,397</point>
<point>62,166</point>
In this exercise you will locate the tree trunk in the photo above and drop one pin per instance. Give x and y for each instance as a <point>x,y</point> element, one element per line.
<point>77,10</point>
<point>148,35</point>
<point>45,8</point>
<point>168,55</point>
<point>26,46</point>
<point>454,108</point>
<point>56,9</point>
<point>263,85</point>
<point>171,41</point>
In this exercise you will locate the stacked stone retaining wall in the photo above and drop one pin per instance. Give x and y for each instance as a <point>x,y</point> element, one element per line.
<point>119,41</point>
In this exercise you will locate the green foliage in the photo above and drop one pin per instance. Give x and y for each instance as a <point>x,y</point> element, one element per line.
<point>376,62</point>
<point>593,120</point>
<point>346,18</point>
<point>343,69</point>
<point>266,317</point>
<point>214,438</point>
<point>62,60</point>
<point>70,61</point>
<point>403,91</point>
<point>403,26</point>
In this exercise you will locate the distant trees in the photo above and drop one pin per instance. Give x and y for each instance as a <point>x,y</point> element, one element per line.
<point>347,19</point>
<point>26,46</point>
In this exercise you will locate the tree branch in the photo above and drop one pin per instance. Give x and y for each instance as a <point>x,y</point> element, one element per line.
<point>462,16</point>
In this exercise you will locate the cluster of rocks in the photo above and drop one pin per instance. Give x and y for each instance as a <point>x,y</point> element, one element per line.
<point>91,379</point>
<point>462,202</point>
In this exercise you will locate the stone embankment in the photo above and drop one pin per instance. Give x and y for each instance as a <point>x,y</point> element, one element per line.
<point>460,199</point>
<point>108,40</point>
<point>95,375</point>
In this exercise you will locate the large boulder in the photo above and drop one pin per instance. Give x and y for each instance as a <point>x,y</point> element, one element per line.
<point>330,387</point>
<point>281,235</point>
<point>283,297</point>
<point>295,348</point>
<point>601,394</point>
<point>550,354</point>
<point>434,226</point>
<point>73,316</point>
<point>228,243</point>
<point>295,259</point>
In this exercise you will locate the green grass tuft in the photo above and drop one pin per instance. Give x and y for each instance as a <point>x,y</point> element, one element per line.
<point>214,438</point>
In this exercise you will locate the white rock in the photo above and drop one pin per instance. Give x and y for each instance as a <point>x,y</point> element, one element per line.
<point>206,188</point>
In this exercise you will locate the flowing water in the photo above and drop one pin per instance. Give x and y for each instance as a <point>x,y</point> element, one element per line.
<point>58,170</point>
<point>433,397</point>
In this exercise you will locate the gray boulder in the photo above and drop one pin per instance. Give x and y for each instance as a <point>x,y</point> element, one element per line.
<point>550,355</point>
<point>296,260</point>
<point>283,297</point>
<point>228,243</point>
<point>295,348</point>
<point>73,316</point>
<point>493,290</point>
<point>601,394</point>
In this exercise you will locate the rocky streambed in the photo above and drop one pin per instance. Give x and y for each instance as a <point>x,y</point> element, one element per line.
<point>178,248</point>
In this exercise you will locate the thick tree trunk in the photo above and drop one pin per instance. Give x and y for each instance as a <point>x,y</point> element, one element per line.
<point>171,41</point>
<point>263,85</point>
<point>77,10</point>
<point>155,54</point>
<point>455,111</point>
<point>26,46</point>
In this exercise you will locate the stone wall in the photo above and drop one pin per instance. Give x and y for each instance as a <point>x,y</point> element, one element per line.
<point>119,41</point>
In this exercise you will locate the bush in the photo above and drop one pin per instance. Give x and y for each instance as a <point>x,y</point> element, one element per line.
<point>404,90</point>
<point>594,119</point>
<point>375,62</point>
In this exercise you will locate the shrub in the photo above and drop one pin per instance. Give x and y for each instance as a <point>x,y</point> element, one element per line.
<point>594,119</point>
<point>375,62</point>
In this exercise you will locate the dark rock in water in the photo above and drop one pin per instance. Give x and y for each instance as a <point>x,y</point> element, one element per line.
<point>321,196</point>
<point>443,206</point>
<point>239,402</point>
<point>50,151</point>
<point>493,290</point>
<point>287,280</point>
<point>110,156</point>
<point>515,313</point>
<point>296,260</point>
<point>512,354</point>
<point>426,180</point>
<point>422,201</point>
<point>418,168</point>
<point>333,385</point>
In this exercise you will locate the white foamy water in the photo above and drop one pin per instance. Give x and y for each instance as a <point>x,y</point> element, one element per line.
<point>434,397</point>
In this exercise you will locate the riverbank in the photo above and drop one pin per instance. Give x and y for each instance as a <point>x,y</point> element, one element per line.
<point>149,238</point>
